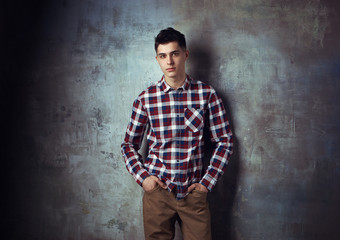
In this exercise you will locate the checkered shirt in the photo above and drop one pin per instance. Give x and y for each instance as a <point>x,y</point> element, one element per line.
<point>175,135</point>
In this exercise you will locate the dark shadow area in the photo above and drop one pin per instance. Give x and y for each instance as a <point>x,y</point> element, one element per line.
<point>222,198</point>
<point>19,24</point>
<point>320,197</point>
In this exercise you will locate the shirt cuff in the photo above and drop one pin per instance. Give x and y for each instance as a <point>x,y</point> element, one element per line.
<point>141,176</point>
<point>208,181</point>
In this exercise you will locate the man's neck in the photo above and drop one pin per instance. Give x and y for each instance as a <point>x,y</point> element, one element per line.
<point>175,83</point>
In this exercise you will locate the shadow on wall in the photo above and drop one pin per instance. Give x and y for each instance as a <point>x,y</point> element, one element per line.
<point>221,199</point>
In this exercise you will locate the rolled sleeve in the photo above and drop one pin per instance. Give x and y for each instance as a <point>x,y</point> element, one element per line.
<point>221,135</point>
<point>132,142</point>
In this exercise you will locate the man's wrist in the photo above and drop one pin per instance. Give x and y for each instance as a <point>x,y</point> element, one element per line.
<point>143,176</point>
<point>207,184</point>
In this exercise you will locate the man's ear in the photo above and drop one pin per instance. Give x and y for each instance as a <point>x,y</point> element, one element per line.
<point>186,54</point>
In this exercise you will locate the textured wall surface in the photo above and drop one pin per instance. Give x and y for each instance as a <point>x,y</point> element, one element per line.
<point>71,70</point>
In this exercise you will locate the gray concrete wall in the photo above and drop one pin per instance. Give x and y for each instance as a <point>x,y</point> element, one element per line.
<point>71,70</point>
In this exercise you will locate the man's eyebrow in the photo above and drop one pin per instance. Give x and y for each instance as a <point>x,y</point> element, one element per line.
<point>175,51</point>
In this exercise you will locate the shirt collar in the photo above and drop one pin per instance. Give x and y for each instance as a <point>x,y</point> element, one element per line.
<point>166,88</point>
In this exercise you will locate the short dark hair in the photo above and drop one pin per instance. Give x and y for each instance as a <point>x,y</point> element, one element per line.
<point>170,35</point>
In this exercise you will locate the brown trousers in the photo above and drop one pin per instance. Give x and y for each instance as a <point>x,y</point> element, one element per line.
<point>161,210</point>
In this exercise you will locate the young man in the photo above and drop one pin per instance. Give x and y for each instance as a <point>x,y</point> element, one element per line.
<point>176,109</point>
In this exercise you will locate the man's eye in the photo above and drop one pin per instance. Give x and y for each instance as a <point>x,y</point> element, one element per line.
<point>176,54</point>
<point>161,56</point>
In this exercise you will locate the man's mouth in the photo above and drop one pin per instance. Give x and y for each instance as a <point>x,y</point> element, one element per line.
<point>171,69</point>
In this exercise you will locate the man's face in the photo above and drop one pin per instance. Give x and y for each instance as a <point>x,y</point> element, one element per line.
<point>171,58</point>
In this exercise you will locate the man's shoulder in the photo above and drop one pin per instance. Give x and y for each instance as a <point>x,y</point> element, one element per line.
<point>153,88</point>
<point>200,85</point>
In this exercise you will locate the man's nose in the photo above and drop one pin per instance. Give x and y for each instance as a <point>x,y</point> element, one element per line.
<point>170,60</point>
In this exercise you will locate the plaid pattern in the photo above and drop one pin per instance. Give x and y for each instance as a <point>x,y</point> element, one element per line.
<point>175,136</point>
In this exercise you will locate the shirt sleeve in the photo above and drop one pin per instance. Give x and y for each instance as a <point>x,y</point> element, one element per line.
<point>132,142</point>
<point>221,135</point>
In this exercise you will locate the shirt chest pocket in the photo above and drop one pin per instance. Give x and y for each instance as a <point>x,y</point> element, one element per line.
<point>193,119</point>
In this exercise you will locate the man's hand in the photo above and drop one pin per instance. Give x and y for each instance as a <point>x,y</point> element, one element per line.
<point>198,187</point>
<point>151,182</point>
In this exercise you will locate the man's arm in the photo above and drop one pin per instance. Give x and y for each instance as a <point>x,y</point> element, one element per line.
<point>132,142</point>
<point>221,135</point>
